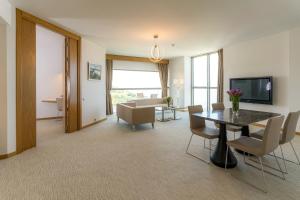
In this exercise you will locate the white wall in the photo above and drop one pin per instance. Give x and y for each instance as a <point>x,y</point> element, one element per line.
<point>180,72</point>
<point>5,12</point>
<point>267,56</point>
<point>50,70</point>
<point>3,90</point>
<point>275,55</point>
<point>93,92</point>
<point>294,83</point>
<point>8,78</point>
<point>176,68</point>
<point>128,65</point>
<point>11,83</point>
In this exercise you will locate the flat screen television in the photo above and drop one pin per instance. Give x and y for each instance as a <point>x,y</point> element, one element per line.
<point>255,90</point>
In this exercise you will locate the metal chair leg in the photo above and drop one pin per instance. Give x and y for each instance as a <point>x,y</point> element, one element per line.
<point>187,152</point>
<point>187,148</point>
<point>263,174</point>
<point>209,148</point>
<point>295,152</point>
<point>283,158</point>
<point>283,177</point>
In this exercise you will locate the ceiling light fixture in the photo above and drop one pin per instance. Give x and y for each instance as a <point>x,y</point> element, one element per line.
<point>155,53</point>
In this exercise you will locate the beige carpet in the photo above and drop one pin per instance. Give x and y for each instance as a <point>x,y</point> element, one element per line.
<point>108,161</point>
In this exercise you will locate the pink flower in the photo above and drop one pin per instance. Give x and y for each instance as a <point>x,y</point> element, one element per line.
<point>235,92</point>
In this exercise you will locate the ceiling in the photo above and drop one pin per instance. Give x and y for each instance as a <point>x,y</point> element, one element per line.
<point>126,27</point>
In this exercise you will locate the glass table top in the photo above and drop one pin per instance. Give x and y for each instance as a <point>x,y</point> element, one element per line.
<point>242,118</point>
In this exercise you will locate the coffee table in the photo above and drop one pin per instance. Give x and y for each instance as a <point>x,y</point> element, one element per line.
<point>162,109</point>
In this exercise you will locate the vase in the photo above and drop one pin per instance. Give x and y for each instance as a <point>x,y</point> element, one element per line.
<point>235,104</point>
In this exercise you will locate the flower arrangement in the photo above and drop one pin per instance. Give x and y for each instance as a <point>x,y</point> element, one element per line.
<point>235,95</point>
<point>168,100</point>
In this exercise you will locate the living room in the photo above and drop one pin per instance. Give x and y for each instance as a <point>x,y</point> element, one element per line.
<point>162,100</point>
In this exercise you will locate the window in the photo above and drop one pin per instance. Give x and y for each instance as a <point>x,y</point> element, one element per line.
<point>126,85</point>
<point>205,80</point>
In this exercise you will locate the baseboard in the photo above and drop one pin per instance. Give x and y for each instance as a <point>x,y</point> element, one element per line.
<point>4,156</point>
<point>264,126</point>
<point>47,118</point>
<point>92,124</point>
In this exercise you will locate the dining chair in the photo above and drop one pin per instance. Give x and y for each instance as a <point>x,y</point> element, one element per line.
<point>231,128</point>
<point>287,135</point>
<point>259,148</point>
<point>198,127</point>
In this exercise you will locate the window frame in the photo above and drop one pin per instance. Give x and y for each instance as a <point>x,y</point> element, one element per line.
<point>208,87</point>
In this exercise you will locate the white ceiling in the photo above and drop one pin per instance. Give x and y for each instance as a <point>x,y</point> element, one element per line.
<point>195,26</point>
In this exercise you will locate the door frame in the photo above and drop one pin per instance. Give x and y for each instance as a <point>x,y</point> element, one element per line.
<point>20,16</point>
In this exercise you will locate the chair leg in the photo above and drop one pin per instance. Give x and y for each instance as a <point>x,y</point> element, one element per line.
<point>187,152</point>
<point>283,177</point>
<point>283,158</point>
<point>295,152</point>
<point>209,148</point>
<point>187,148</point>
<point>263,174</point>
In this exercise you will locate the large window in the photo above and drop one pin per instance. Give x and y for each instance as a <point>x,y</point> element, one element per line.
<point>205,80</point>
<point>129,84</point>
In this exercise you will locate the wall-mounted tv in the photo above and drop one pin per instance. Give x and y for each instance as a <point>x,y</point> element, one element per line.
<point>255,90</point>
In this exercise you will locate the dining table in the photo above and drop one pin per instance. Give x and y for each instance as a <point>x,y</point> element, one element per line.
<point>243,118</point>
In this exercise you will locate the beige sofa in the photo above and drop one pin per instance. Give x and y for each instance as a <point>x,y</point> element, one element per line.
<point>156,102</point>
<point>135,115</point>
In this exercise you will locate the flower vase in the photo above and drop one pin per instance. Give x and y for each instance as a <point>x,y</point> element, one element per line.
<point>235,104</point>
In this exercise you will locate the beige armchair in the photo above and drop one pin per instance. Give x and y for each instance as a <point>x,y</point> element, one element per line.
<point>135,115</point>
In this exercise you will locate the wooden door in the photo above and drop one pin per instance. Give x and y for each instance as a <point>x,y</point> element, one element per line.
<point>26,85</point>
<point>26,79</point>
<point>72,121</point>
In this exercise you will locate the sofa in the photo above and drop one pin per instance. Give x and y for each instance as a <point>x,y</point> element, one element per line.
<point>156,102</point>
<point>134,115</point>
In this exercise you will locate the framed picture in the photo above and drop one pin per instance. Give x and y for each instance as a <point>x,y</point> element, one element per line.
<point>94,72</point>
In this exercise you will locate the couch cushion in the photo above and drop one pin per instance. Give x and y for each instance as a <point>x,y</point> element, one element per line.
<point>148,102</point>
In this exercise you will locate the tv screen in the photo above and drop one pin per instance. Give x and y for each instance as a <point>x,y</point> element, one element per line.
<point>255,90</point>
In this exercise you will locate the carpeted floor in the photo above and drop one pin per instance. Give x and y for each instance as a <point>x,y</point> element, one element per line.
<point>109,161</point>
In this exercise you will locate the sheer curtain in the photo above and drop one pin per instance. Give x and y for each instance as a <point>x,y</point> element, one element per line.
<point>163,75</point>
<point>220,77</point>
<point>109,76</point>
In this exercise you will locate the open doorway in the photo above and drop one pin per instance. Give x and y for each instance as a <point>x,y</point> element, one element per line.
<point>26,94</point>
<point>50,83</point>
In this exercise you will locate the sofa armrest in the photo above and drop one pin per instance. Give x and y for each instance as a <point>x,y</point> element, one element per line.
<point>143,115</point>
<point>125,112</point>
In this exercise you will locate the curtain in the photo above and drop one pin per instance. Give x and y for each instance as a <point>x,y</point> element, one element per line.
<point>109,77</point>
<point>163,75</point>
<point>220,77</point>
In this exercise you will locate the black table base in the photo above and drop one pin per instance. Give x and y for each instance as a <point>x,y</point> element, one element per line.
<point>219,155</point>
